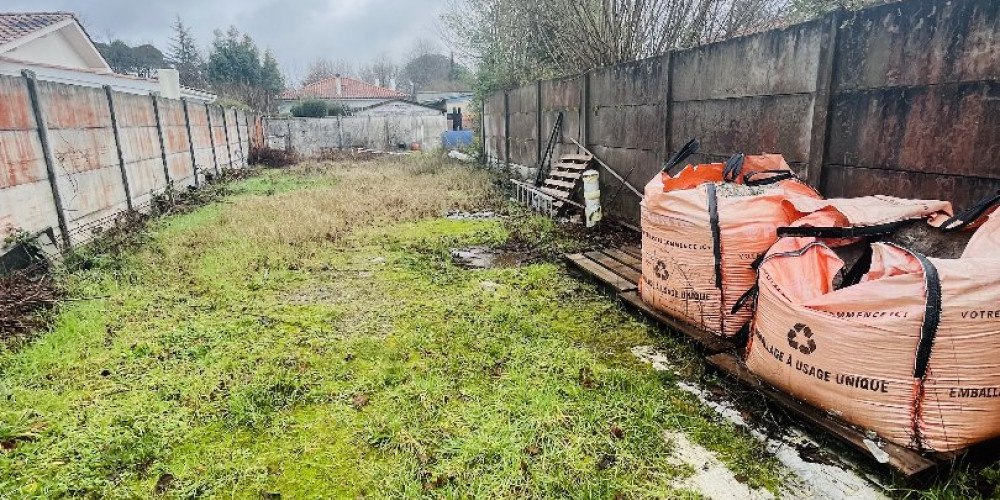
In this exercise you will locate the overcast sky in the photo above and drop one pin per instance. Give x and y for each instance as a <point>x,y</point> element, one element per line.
<point>297,31</point>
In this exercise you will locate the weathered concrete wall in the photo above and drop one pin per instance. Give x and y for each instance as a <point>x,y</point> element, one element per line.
<point>83,145</point>
<point>626,127</point>
<point>176,142</point>
<point>916,102</point>
<point>140,147</point>
<point>312,137</point>
<point>25,196</point>
<point>523,125</point>
<point>900,99</point>
<point>493,133</point>
<point>561,97</point>
<point>93,181</point>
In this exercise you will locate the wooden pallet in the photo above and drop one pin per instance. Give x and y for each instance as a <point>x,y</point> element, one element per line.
<point>621,269</point>
<point>564,178</point>
<point>907,462</point>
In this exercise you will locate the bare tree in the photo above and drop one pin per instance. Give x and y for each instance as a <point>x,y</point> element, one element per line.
<point>323,68</point>
<point>380,70</point>
<point>518,40</point>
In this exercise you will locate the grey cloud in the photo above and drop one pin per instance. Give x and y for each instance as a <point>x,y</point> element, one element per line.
<point>297,31</point>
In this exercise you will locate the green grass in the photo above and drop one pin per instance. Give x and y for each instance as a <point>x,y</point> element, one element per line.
<point>261,345</point>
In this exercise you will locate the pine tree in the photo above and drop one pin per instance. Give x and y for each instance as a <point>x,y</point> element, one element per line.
<point>184,56</point>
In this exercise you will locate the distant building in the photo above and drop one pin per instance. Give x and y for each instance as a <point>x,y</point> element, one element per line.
<point>457,103</point>
<point>398,107</point>
<point>349,92</point>
<point>56,47</point>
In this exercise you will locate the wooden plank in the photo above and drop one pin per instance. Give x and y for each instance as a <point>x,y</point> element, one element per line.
<point>561,184</point>
<point>614,266</point>
<point>709,342</point>
<point>569,176</point>
<point>908,462</point>
<point>571,166</point>
<point>626,258</point>
<point>554,192</point>
<point>632,250</point>
<point>583,158</point>
<point>601,273</point>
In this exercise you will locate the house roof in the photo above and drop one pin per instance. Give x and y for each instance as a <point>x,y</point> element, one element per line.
<point>17,25</point>
<point>350,89</point>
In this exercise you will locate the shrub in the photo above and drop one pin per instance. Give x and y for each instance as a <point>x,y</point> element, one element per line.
<point>338,110</point>
<point>312,108</point>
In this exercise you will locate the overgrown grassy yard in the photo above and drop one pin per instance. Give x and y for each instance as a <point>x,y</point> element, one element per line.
<point>309,336</point>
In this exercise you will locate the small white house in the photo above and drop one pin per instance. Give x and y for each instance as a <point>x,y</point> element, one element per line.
<point>399,107</point>
<point>56,47</point>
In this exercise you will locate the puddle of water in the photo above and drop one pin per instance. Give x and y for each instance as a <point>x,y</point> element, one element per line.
<point>485,215</point>
<point>711,478</point>
<point>814,472</point>
<point>488,258</point>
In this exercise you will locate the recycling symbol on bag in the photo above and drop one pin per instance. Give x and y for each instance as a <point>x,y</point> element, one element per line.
<point>661,270</point>
<point>806,347</point>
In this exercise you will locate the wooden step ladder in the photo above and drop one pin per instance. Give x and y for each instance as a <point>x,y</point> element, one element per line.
<point>556,192</point>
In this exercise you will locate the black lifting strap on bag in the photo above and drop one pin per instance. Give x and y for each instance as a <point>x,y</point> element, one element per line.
<point>775,176</point>
<point>689,149</point>
<point>734,166</point>
<point>972,214</point>
<point>825,232</point>
<point>932,317</point>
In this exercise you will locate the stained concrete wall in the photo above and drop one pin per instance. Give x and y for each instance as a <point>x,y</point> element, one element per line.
<point>94,184</point>
<point>900,99</point>
<point>313,137</point>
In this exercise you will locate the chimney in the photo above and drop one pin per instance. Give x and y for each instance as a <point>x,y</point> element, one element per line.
<point>392,83</point>
<point>170,83</point>
<point>340,86</point>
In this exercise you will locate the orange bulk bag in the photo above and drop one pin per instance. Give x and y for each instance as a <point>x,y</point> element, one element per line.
<point>703,228</point>
<point>909,351</point>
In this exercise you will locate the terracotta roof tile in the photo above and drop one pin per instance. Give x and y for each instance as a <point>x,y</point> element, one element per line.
<point>350,89</point>
<point>14,25</point>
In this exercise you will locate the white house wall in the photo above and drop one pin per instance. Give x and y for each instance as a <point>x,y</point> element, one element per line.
<point>55,49</point>
<point>399,108</point>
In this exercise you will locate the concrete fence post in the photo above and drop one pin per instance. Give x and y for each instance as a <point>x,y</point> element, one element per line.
<point>239,138</point>
<point>484,150</point>
<point>187,126</point>
<point>820,129</point>
<point>538,124</point>
<point>506,128</point>
<point>668,108</point>
<point>118,146</point>
<point>211,137</point>
<point>50,164</point>
<point>340,132</point>
<point>225,131</point>
<point>163,144</point>
<point>585,110</point>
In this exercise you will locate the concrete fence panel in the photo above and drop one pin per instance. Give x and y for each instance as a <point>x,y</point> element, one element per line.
<point>177,143</point>
<point>523,125</point>
<point>140,143</point>
<point>916,101</point>
<point>26,200</point>
<point>626,126</point>
<point>88,172</point>
<point>201,140</point>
